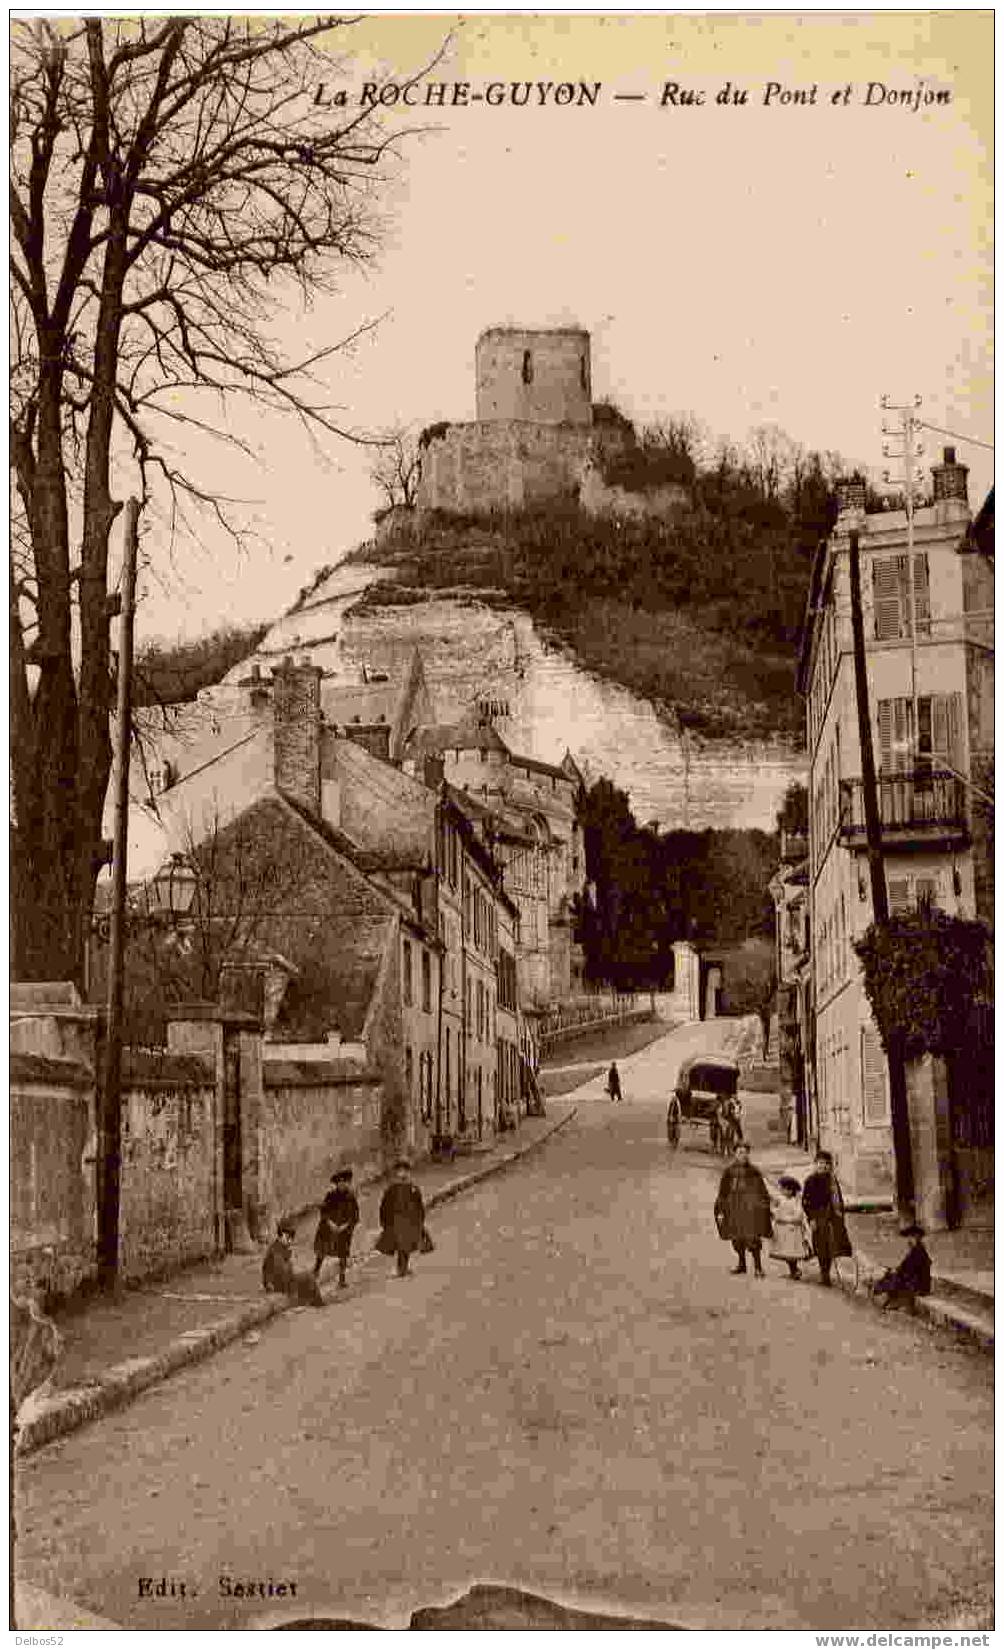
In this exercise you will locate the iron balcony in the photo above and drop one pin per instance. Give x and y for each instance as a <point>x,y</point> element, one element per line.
<point>923,808</point>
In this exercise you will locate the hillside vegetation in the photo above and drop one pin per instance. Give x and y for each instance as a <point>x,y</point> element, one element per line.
<point>169,673</point>
<point>700,610</point>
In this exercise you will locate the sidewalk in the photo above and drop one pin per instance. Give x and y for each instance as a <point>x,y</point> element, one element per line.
<point>115,1348</point>
<point>962,1262</point>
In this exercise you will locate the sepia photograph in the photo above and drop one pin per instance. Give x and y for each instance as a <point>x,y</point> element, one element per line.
<point>501,825</point>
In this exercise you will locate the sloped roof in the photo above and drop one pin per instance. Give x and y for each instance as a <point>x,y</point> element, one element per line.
<point>458,736</point>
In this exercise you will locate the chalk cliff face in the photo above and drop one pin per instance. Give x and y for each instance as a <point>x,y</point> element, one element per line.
<point>478,656</point>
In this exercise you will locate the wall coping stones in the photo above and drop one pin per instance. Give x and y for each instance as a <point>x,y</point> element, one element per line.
<point>48,1069</point>
<point>161,1069</point>
<point>315,1073</point>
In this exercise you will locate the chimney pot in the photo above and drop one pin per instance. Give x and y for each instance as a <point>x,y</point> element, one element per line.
<point>851,495</point>
<point>951,480</point>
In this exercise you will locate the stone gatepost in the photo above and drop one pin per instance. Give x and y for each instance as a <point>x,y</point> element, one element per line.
<point>934,1171</point>
<point>232,1042</point>
<point>686,980</point>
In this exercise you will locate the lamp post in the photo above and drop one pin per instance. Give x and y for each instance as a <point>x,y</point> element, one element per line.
<point>172,890</point>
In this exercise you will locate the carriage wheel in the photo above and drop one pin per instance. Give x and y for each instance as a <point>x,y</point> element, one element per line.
<point>673,1125</point>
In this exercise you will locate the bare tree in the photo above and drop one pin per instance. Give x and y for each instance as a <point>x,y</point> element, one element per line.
<point>772,455</point>
<point>174,184</point>
<point>397,468</point>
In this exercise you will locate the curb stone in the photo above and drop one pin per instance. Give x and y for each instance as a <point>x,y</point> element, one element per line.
<point>936,1309</point>
<point>45,1419</point>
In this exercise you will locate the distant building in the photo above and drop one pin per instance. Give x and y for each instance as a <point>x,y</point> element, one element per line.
<point>528,811</point>
<point>929,642</point>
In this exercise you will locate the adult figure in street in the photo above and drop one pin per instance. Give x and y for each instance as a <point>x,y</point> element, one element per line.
<point>338,1220</point>
<point>402,1218</point>
<point>614,1082</point>
<point>823,1203</point>
<point>742,1210</point>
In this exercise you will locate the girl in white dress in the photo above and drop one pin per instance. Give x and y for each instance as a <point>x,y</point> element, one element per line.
<point>791,1231</point>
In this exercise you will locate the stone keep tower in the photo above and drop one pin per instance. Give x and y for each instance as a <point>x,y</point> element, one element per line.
<point>533,376</point>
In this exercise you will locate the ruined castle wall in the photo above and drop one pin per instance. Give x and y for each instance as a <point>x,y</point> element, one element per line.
<point>486,466</point>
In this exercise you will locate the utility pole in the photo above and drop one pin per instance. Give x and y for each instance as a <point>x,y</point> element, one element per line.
<point>912,450</point>
<point>902,1146</point>
<point>110,1094</point>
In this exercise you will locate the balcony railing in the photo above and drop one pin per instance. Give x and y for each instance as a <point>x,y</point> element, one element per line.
<point>922,805</point>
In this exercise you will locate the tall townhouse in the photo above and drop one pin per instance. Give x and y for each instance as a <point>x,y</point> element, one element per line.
<point>528,811</point>
<point>928,632</point>
<point>507,1016</point>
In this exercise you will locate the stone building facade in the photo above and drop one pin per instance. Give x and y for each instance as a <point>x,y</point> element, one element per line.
<point>928,641</point>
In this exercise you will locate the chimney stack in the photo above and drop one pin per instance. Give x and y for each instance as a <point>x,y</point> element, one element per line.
<point>851,495</point>
<point>296,703</point>
<point>951,480</point>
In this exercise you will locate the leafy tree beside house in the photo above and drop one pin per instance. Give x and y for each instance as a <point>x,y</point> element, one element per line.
<point>923,973</point>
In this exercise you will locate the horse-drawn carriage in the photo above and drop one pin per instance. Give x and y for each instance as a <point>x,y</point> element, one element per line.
<point>707,1092</point>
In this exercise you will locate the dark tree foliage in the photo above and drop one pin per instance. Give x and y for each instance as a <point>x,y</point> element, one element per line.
<point>649,888</point>
<point>170,673</point>
<point>923,971</point>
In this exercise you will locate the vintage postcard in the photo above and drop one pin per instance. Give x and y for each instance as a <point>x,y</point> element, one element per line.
<point>502,851</point>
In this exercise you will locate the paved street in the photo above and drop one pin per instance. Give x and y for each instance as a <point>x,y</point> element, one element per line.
<point>572,1394</point>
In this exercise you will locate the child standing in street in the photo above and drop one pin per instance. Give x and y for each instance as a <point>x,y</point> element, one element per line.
<point>791,1229</point>
<point>402,1218</point>
<point>338,1220</point>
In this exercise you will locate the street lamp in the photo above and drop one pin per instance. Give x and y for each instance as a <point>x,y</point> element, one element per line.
<point>172,890</point>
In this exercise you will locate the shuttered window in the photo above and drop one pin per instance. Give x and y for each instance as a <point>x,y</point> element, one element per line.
<point>908,892</point>
<point>891,596</point>
<point>899,894</point>
<point>940,732</point>
<point>874,1089</point>
<point>925,890</point>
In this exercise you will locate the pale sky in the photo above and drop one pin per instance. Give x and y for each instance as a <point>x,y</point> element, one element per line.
<point>785,264</point>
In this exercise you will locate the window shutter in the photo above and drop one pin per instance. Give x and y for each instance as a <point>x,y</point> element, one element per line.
<point>899,894</point>
<point>952,712</point>
<point>886,597</point>
<point>873,1077</point>
<point>921,596</point>
<point>885,734</point>
<point>895,717</point>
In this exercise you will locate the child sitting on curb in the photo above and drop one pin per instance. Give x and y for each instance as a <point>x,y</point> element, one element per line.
<point>912,1277</point>
<point>277,1274</point>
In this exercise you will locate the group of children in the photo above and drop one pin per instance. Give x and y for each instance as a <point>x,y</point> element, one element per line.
<point>792,1243</point>
<point>403,1230</point>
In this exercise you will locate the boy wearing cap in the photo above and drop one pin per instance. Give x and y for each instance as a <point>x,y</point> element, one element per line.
<point>912,1277</point>
<point>338,1220</point>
